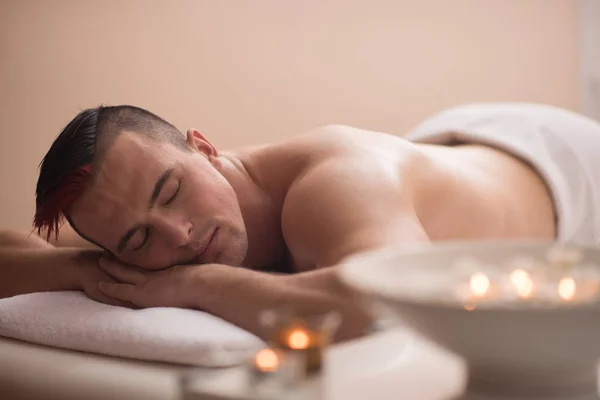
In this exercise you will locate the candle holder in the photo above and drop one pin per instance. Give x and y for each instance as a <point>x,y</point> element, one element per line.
<point>306,337</point>
<point>271,371</point>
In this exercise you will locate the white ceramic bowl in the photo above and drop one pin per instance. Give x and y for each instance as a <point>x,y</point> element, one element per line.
<point>512,349</point>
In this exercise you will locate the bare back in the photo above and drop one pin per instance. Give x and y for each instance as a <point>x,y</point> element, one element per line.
<point>339,179</point>
<point>478,192</point>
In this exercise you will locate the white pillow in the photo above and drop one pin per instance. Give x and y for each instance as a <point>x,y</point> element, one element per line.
<point>71,320</point>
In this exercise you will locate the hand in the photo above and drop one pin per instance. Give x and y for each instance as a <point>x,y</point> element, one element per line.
<point>89,274</point>
<point>171,287</point>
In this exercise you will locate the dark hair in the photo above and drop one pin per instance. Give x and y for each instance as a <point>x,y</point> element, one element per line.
<point>68,167</point>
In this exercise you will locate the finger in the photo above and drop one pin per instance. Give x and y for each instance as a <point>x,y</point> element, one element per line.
<point>121,272</point>
<point>102,298</point>
<point>119,291</point>
<point>114,302</point>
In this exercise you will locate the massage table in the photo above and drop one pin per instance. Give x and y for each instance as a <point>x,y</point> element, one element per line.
<point>390,365</point>
<point>30,371</point>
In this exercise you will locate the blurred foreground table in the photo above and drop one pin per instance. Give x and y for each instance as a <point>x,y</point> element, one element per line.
<point>394,364</point>
<point>390,365</point>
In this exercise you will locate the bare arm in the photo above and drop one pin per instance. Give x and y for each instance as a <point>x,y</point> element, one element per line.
<point>238,295</point>
<point>36,270</point>
<point>28,264</point>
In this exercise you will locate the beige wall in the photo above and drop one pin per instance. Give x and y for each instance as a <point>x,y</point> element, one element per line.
<point>247,71</point>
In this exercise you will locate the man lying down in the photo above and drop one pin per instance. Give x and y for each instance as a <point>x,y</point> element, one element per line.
<point>158,218</point>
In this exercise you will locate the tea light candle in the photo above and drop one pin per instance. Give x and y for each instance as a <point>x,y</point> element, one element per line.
<point>567,288</point>
<point>479,288</point>
<point>264,373</point>
<point>476,288</point>
<point>298,339</point>
<point>311,344</point>
<point>303,337</point>
<point>479,284</point>
<point>272,371</point>
<point>265,367</point>
<point>522,283</point>
<point>266,361</point>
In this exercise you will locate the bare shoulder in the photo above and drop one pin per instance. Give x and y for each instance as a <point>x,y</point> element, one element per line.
<point>355,194</point>
<point>307,160</point>
<point>343,139</point>
<point>356,159</point>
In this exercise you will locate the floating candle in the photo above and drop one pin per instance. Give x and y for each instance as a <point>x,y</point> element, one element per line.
<point>558,277</point>
<point>480,284</point>
<point>567,288</point>
<point>522,282</point>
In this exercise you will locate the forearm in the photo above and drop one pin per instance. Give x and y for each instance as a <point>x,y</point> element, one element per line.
<point>238,295</point>
<point>37,270</point>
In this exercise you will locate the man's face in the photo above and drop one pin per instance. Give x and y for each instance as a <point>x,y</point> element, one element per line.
<point>154,205</point>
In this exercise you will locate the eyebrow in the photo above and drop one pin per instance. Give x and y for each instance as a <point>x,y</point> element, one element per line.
<point>157,189</point>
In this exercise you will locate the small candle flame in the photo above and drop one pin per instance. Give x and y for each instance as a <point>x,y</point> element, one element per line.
<point>522,282</point>
<point>298,339</point>
<point>567,288</point>
<point>470,307</point>
<point>480,284</point>
<point>267,360</point>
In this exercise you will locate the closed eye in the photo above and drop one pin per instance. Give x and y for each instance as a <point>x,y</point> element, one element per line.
<point>174,194</point>
<point>145,241</point>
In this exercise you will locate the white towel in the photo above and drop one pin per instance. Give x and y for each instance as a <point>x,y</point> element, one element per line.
<point>71,320</point>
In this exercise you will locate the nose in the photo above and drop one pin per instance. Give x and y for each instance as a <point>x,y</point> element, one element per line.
<point>177,231</point>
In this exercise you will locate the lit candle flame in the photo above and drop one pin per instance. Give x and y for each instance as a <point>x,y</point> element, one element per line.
<point>480,284</point>
<point>566,288</point>
<point>267,360</point>
<point>522,281</point>
<point>298,340</point>
<point>470,307</point>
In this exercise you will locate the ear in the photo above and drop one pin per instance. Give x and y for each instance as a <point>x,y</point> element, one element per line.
<point>199,143</point>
